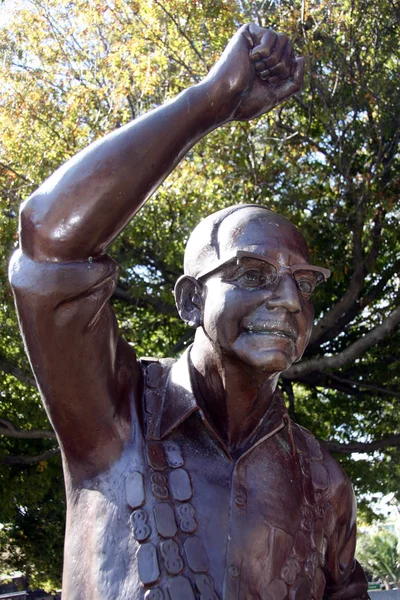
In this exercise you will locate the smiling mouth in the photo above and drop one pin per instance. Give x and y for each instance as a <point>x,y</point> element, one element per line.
<point>266,330</point>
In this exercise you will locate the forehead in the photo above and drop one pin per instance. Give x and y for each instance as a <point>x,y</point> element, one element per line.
<point>263,232</point>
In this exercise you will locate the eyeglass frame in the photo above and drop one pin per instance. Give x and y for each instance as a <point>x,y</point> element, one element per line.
<point>326,273</point>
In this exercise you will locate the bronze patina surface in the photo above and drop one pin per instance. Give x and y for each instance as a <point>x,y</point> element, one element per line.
<point>185,479</point>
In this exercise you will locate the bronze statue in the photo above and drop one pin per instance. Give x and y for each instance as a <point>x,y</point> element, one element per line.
<point>185,480</point>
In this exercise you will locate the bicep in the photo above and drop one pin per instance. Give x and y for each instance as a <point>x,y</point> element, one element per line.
<point>345,579</point>
<point>84,370</point>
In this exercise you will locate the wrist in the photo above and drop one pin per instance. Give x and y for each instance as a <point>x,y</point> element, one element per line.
<point>218,105</point>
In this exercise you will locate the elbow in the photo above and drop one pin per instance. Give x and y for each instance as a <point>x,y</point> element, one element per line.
<point>40,238</point>
<point>35,235</point>
<point>28,227</point>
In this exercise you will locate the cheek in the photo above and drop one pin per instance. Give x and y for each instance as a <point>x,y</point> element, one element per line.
<point>223,312</point>
<point>305,324</point>
<point>214,308</point>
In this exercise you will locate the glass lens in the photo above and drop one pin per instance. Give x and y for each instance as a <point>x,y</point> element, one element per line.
<point>251,273</point>
<point>306,281</point>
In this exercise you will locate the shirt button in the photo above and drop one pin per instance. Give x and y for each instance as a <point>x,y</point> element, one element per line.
<point>233,571</point>
<point>240,501</point>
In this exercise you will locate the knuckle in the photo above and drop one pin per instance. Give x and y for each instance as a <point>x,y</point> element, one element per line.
<point>279,70</point>
<point>259,65</point>
<point>273,61</point>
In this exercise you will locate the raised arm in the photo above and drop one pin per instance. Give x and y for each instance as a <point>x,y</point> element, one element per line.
<point>78,211</point>
<point>88,376</point>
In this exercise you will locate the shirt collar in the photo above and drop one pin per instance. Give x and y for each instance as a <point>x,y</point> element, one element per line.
<point>179,402</point>
<point>178,398</point>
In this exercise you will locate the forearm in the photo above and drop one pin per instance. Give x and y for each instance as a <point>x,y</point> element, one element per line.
<point>78,211</point>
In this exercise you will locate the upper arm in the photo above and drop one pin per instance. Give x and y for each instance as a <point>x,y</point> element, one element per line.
<point>345,579</point>
<point>85,372</point>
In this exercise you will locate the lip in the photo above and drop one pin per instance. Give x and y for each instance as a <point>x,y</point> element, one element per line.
<point>267,329</point>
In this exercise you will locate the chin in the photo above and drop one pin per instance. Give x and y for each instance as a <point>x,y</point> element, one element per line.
<point>269,362</point>
<point>269,356</point>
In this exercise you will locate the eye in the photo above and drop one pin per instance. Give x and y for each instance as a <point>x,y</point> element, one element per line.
<point>306,287</point>
<point>252,277</point>
<point>306,284</point>
<point>250,274</point>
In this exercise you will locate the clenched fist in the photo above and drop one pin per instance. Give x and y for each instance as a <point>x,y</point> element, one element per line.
<point>256,72</point>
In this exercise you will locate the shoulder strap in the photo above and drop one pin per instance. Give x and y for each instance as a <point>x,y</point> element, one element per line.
<point>155,371</point>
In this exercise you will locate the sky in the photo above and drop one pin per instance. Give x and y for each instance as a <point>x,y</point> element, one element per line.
<point>6,9</point>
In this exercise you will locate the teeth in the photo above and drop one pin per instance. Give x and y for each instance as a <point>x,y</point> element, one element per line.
<point>252,329</point>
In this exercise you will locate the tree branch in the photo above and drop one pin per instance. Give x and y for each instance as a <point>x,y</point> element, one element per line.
<point>350,296</point>
<point>364,385</point>
<point>151,258</point>
<point>301,136</point>
<point>331,381</point>
<point>391,441</point>
<point>8,429</point>
<point>28,460</point>
<point>349,354</point>
<point>183,34</point>
<point>351,314</point>
<point>10,369</point>
<point>376,233</point>
<point>4,166</point>
<point>159,307</point>
<point>182,343</point>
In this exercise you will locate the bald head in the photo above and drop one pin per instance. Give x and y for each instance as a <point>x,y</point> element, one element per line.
<point>242,227</point>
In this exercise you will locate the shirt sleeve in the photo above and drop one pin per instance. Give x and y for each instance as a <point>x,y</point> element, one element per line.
<point>83,368</point>
<point>345,578</point>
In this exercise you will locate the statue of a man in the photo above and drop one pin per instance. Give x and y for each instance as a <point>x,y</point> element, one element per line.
<point>184,480</point>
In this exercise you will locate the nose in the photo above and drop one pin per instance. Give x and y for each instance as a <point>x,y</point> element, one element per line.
<point>286,295</point>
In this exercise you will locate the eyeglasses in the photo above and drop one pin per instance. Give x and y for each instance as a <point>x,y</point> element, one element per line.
<point>250,270</point>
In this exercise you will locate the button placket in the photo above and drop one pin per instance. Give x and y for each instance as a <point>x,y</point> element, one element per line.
<point>237,516</point>
<point>239,492</point>
<point>238,504</point>
<point>232,583</point>
<point>233,572</point>
<point>240,499</point>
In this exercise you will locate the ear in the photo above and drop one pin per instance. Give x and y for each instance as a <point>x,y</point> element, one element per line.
<point>188,299</point>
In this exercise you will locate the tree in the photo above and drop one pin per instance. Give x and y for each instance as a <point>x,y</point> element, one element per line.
<point>329,160</point>
<point>379,553</point>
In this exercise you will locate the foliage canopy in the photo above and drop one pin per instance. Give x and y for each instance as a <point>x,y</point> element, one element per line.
<point>329,160</point>
<point>379,553</point>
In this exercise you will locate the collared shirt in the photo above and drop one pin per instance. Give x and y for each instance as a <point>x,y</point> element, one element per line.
<point>174,516</point>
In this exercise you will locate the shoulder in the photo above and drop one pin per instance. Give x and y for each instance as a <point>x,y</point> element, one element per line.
<point>155,376</point>
<point>155,367</point>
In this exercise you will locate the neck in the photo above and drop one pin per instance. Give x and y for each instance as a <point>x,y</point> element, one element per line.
<point>234,395</point>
